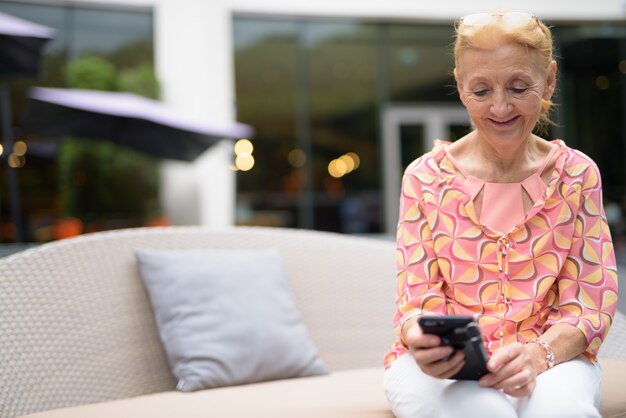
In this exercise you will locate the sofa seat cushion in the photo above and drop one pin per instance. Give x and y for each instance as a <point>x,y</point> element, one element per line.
<point>613,404</point>
<point>350,393</point>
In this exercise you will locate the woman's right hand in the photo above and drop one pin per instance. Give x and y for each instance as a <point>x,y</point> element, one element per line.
<point>429,355</point>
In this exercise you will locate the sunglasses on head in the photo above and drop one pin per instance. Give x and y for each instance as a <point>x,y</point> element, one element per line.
<point>509,19</point>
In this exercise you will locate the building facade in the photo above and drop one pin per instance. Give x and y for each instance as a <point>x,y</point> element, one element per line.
<point>342,96</point>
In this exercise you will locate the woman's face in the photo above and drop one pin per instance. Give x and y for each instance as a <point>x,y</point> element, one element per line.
<point>502,89</point>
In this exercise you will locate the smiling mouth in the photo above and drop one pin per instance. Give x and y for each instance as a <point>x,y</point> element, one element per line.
<point>505,122</point>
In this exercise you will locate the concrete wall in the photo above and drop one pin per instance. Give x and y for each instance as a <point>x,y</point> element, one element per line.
<point>194,66</point>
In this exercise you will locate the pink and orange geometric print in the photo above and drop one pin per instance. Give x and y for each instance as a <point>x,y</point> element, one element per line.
<point>556,265</point>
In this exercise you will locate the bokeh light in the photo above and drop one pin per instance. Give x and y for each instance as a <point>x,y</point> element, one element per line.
<point>16,161</point>
<point>355,157</point>
<point>337,168</point>
<point>343,165</point>
<point>348,161</point>
<point>602,82</point>
<point>19,148</point>
<point>243,147</point>
<point>244,162</point>
<point>296,157</point>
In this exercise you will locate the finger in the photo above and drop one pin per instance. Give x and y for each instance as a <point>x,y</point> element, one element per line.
<point>425,356</point>
<point>518,392</point>
<point>523,378</point>
<point>454,370</point>
<point>504,372</point>
<point>504,356</point>
<point>445,368</point>
<point>419,340</point>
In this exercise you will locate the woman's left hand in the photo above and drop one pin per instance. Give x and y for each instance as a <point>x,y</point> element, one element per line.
<point>512,370</point>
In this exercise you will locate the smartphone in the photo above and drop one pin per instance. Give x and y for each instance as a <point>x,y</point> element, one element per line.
<point>461,333</point>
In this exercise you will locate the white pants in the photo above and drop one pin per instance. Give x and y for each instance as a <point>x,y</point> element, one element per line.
<point>570,389</point>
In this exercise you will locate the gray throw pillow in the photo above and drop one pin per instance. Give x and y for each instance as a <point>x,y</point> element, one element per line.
<point>227,317</point>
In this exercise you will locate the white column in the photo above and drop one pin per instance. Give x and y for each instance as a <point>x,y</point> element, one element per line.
<point>194,66</point>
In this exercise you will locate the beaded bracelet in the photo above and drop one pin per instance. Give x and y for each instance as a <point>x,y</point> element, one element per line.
<point>550,357</point>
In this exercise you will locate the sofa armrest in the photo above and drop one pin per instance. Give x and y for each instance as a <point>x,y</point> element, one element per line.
<point>614,346</point>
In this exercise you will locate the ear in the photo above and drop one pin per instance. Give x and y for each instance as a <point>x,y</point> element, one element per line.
<point>550,82</point>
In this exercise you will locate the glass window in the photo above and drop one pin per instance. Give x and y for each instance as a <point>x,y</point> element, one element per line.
<point>309,89</point>
<point>265,80</point>
<point>125,36</point>
<point>314,90</point>
<point>342,91</point>
<point>421,62</point>
<point>592,69</point>
<point>122,36</point>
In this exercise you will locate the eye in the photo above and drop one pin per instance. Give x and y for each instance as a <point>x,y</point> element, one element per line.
<point>518,90</point>
<point>480,93</point>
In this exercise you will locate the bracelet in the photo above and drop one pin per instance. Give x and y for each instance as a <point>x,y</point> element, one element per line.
<point>550,357</point>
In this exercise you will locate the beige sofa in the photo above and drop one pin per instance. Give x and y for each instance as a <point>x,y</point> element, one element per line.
<point>78,338</point>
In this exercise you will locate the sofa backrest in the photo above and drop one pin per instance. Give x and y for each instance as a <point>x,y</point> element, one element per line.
<point>76,324</point>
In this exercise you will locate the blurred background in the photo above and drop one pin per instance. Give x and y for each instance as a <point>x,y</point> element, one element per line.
<point>341,97</point>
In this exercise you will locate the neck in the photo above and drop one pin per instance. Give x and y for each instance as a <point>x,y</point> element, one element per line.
<point>505,159</point>
<point>502,164</point>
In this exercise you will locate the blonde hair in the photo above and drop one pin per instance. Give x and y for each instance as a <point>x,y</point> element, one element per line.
<point>535,35</point>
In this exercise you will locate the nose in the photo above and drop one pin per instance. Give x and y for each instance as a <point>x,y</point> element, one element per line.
<point>500,103</point>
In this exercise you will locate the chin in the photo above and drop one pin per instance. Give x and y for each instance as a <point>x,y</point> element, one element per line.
<point>505,138</point>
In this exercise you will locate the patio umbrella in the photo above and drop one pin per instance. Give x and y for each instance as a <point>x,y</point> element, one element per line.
<point>21,45</point>
<point>127,119</point>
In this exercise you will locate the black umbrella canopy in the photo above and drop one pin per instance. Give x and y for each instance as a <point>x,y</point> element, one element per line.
<point>127,119</point>
<point>21,44</point>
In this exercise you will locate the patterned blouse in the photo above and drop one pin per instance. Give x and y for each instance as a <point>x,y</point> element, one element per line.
<point>556,265</point>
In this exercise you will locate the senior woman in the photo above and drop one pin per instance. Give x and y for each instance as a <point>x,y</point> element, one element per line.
<point>507,227</point>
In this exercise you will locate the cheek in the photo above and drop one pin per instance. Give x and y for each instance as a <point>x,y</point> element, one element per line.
<point>476,107</point>
<point>471,101</point>
<point>531,104</point>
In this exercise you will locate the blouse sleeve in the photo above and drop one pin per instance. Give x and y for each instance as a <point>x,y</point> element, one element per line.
<point>419,284</point>
<point>587,284</point>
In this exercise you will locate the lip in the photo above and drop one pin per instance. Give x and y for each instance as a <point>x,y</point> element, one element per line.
<point>504,123</point>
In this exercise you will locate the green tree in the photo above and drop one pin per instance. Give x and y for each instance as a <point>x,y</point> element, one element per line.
<point>140,79</point>
<point>103,184</point>
<point>92,72</point>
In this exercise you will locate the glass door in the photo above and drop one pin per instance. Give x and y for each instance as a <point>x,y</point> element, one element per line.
<point>408,132</point>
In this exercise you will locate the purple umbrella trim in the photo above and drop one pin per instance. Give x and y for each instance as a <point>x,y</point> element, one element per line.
<point>134,106</point>
<point>11,25</point>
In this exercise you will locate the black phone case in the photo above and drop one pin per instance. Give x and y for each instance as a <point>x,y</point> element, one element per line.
<point>462,333</point>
